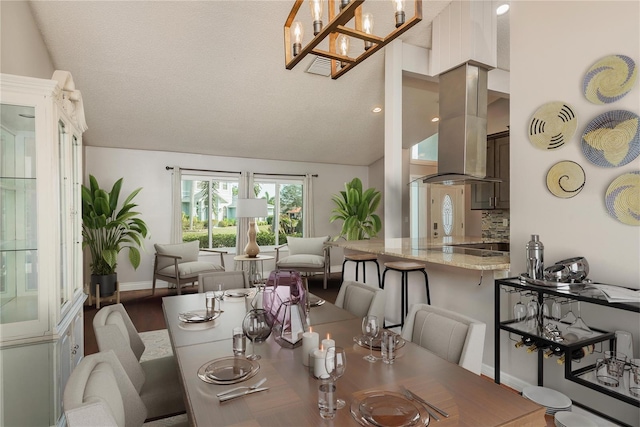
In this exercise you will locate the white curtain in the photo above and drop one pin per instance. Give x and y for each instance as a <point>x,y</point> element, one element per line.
<point>245,191</point>
<point>307,213</point>
<point>176,205</point>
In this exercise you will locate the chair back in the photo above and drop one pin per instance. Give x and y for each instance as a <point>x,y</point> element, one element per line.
<point>306,245</point>
<point>228,280</point>
<point>450,335</point>
<point>99,393</point>
<point>188,251</point>
<point>361,300</point>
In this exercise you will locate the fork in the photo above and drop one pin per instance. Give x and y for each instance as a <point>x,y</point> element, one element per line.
<point>409,396</point>
<point>249,388</point>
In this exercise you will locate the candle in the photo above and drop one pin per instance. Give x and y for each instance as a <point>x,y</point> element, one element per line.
<point>319,370</point>
<point>310,343</point>
<point>328,342</point>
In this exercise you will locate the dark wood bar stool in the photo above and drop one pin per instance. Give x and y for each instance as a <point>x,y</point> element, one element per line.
<point>404,268</point>
<point>362,259</point>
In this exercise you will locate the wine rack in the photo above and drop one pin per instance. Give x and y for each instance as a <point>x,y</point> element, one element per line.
<point>564,351</point>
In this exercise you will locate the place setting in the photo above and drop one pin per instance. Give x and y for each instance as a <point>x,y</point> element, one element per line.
<point>374,338</point>
<point>196,320</point>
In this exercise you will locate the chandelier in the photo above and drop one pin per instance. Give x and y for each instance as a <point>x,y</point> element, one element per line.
<point>338,34</point>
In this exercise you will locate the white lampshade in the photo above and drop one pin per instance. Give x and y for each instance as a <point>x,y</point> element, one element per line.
<point>251,208</point>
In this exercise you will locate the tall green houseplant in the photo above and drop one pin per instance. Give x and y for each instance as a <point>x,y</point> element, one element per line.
<point>108,228</point>
<point>357,209</point>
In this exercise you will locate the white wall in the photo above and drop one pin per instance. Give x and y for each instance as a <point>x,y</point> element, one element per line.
<point>22,50</point>
<point>553,43</point>
<point>146,169</point>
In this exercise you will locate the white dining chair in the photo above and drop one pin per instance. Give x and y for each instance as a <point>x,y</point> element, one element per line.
<point>361,300</point>
<point>450,335</point>
<point>228,280</point>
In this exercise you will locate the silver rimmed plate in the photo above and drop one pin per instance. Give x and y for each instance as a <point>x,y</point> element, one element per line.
<point>236,293</point>
<point>315,301</point>
<point>228,370</point>
<point>363,341</point>
<point>387,409</point>
<point>199,316</point>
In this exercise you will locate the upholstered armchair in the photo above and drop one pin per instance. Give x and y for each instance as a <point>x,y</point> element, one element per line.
<point>361,300</point>
<point>449,335</point>
<point>306,255</point>
<point>178,263</point>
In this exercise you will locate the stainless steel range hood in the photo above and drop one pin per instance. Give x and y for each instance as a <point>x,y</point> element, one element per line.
<point>462,129</point>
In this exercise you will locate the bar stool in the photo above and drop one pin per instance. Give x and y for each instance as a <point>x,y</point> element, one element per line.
<point>362,258</point>
<point>404,268</point>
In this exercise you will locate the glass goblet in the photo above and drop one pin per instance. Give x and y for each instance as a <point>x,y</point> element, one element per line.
<point>256,328</point>
<point>371,329</point>
<point>335,363</point>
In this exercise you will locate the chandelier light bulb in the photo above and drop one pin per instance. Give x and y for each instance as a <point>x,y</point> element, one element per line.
<point>398,5</point>
<point>342,46</point>
<point>298,32</point>
<point>316,14</point>
<point>367,26</point>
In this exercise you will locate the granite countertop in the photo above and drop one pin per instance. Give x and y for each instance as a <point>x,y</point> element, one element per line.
<point>435,250</point>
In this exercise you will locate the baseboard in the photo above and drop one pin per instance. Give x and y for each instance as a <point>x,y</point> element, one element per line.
<point>138,286</point>
<point>508,380</point>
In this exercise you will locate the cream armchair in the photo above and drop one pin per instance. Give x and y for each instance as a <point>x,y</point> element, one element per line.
<point>178,263</point>
<point>449,335</point>
<point>306,255</point>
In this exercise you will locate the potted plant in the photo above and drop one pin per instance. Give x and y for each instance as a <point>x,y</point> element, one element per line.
<point>357,209</point>
<point>108,228</point>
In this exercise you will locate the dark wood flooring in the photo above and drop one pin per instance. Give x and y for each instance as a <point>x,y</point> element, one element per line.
<point>146,314</point>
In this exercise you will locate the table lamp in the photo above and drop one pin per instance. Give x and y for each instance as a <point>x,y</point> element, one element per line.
<point>251,208</point>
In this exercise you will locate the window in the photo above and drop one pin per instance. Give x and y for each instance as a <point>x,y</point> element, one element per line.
<point>284,202</point>
<point>208,211</point>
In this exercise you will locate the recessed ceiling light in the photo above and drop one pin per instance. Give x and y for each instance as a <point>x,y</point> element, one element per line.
<point>502,9</point>
<point>435,119</point>
<point>376,110</point>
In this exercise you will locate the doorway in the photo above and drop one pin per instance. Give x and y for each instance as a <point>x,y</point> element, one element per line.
<point>447,210</point>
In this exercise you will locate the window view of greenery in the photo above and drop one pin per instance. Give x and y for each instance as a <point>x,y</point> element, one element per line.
<point>209,211</point>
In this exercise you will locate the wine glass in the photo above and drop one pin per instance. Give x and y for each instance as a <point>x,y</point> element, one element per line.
<point>519,310</point>
<point>371,329</point>
<point>256,328</point>
<point>579,327</point>
<point>336,363</point>
<point>556,310</point>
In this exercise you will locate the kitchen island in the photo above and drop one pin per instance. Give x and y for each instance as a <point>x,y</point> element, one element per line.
<point>461,277</point>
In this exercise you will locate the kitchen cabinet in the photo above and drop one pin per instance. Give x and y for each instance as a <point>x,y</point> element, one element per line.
<point>41,292</point>
<point>494,195</point>
<point>604,340</point>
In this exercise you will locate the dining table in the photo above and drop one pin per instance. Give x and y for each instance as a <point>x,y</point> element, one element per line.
<point>292,395</point>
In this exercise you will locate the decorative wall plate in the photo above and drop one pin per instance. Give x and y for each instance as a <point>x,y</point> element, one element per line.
<point>623,198</point>
<point>552,125</point>
<point>609,79</point>
<point>565,179</point>
<point>612,139</point>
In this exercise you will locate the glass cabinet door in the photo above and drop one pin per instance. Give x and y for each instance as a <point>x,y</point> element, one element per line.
<point>18,219</point>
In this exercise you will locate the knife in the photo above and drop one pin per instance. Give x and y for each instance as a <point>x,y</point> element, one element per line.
<point>421,400</point>
<point>242,393</point>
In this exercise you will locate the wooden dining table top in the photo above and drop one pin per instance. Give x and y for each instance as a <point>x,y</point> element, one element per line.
<point>292,397</point>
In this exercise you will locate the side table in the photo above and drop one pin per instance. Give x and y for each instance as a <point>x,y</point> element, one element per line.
<point>254,275</point>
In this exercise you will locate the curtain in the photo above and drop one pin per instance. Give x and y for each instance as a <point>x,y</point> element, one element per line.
<point>245,191</point>
<point>307,213</point>
<point>176,205</point>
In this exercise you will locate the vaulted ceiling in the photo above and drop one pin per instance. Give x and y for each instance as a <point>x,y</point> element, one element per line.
<point>208,77</point>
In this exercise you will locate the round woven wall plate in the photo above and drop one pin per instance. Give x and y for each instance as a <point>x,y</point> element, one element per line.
<point>552,125</point>
<point>609,79</point>
<point>623,198</point>
<point>612,139</point>
<point>565,179</point>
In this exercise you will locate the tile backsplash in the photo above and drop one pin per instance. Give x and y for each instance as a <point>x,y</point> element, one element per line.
<point>495,225</point>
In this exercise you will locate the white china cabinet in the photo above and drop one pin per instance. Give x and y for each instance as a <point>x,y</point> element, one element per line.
<point>41,293</point>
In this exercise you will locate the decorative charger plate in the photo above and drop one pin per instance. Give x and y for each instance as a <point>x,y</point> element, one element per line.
<point>552,125</point>
<point>236,293</point>
<point>199,316</point>
<point>565,179</point>
<point>387,409</point>
<point>612,139</point>
<point>363,341</point>
<point>623,198</point>
<point>228,370</point>
<point>609,79</point>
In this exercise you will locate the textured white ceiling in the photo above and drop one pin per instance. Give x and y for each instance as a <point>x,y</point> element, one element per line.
<point>208,77</point>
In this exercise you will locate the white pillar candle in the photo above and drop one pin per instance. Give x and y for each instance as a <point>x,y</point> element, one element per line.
<point>310,343</point>
<point>319,370</point>
<point>328,342</point>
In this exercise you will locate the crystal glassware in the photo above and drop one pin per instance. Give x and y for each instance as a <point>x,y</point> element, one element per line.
<point>335,363</point>
<point>256,328</point>
<point>371,329</point>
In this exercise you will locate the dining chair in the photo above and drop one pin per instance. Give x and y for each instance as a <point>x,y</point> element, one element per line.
<point>361,300</point>
<point>228,280</point>
<point>178,263</point>
<point>157,380</point>
<point>306,255</point>
<point>450,335</point>
<point>99,393</point>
